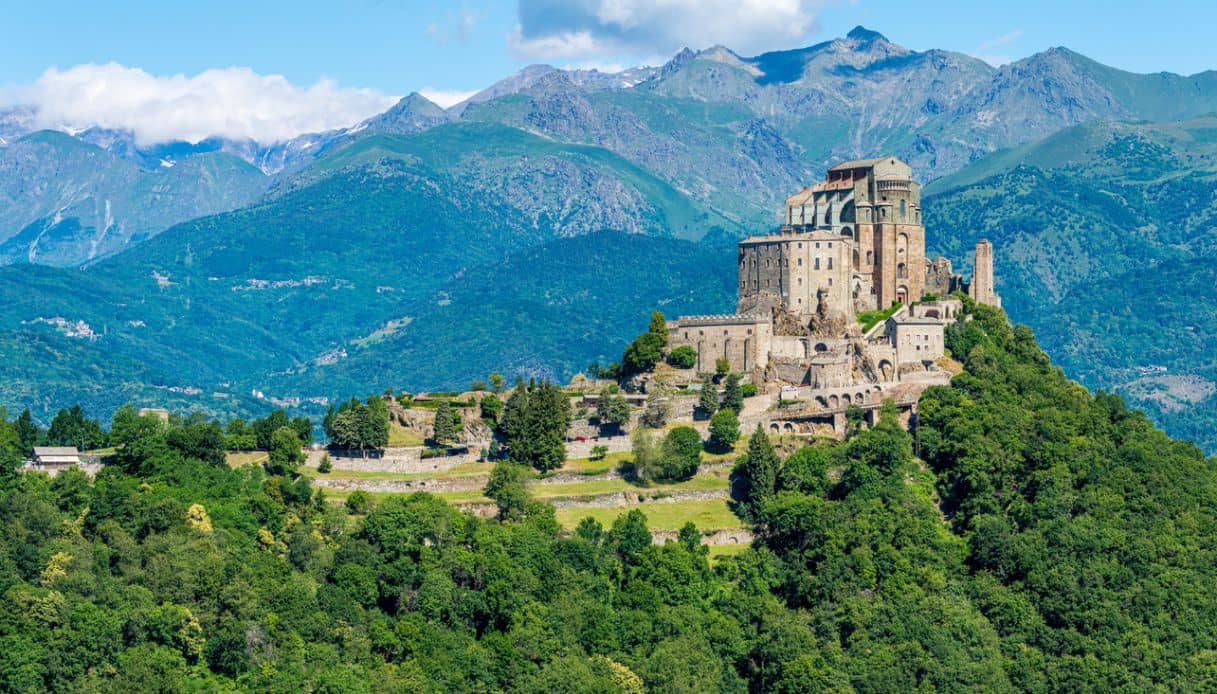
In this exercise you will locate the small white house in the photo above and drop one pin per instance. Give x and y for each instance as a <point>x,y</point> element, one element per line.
<point>56,456</point>
<point>55,459</point>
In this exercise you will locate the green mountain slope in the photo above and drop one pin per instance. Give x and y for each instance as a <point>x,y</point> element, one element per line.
<point>380,238</point>
<point>1107,248</point>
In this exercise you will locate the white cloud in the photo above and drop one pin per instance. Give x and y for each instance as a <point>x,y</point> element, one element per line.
<point>232,102</point>
<point>985,51</point>
<point>445,97</point>
<point>587,29</point>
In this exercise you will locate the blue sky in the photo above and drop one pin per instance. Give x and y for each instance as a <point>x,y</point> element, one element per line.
<point>392,47</point>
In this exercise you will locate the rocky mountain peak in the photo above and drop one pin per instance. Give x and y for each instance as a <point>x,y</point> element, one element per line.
<point>861,34</point>
<point>414,113</point>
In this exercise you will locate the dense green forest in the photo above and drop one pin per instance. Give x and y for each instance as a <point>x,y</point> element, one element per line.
<point>1028,536</point>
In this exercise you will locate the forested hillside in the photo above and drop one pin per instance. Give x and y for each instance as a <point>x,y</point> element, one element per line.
<point>1028,536</point>
<point>1106,246</point>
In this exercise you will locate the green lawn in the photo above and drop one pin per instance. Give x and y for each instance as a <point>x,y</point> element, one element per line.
<point>462,470</point>
<point>712,514</point>
<point>870,319</point>
<point>587,466</point>
<point>239,458</point>
<point>596,487</point>
<point>400,437</point>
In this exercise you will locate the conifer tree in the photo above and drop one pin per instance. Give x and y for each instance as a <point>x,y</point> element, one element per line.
<point>707,401</point>
<point>28,432</point>
<point>535,423</point>
<point>445,424</point>
<point>757,472</point>
<point>733,395</point>
<point>659,326</point>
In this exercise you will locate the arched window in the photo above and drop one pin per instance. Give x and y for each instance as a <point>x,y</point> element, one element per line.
<point>903,211</point>
<point>902,271</point>
<point>870,258</point>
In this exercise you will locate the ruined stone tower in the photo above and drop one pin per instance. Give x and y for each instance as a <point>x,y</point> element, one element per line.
<point>982,276</point>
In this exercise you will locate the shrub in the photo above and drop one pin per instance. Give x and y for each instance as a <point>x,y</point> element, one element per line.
<point>599,452</point>
<point>492,407</point>
<point>683,357</point>
<point>748,390</point>
<point>326,464</point>
<point>359,502</point>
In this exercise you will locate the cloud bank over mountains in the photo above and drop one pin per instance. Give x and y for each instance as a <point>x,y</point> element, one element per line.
<point>238,103</point>
<point>589,29</point>
<point>234,102</point>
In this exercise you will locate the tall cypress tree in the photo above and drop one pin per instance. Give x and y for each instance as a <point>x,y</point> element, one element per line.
<point>445,424</point>
<point>733,395</point>
<point>707,401</point>
<point>757,472</point>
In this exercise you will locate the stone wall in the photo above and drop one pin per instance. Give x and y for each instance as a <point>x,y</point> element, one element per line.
<point>730,536</point>
<point>403,460</point>
<point>89,468</point>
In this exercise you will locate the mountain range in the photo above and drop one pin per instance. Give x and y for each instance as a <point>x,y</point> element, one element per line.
<point>530,226</point>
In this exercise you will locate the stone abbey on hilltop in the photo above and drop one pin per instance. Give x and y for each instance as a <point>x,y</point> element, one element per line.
<point>853,242</point>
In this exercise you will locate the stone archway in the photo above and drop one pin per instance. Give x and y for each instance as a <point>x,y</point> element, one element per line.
<point>886,370</point>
